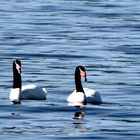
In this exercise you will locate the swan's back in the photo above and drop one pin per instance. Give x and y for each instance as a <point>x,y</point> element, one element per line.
<point>92,96</point>
<point>33,92</point>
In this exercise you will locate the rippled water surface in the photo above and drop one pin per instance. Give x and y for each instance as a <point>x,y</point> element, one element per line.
<point>51,38</point>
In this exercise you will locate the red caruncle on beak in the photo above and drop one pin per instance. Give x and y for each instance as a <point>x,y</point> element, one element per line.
<point>82,73</point>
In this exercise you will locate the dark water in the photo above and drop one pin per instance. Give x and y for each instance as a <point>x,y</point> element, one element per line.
<point>51,38</point>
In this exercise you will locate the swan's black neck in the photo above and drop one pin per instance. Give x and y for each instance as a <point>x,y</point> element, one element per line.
<point>17,82</point>
<point>78,84</point>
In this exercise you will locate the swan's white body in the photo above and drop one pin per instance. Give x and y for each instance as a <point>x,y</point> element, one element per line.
<point>15,95</point>
<point>91,96</point>
<point>28,92</point>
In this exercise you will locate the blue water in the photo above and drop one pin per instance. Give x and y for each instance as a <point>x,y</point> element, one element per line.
<point>52,37</point>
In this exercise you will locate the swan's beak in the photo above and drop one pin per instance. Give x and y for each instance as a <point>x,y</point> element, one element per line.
<point>86,79</point>
<point>20,70</point>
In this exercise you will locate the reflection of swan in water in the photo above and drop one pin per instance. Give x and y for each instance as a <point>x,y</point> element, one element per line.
<point>79,115</point>
<point>81,127</point>
<point>78,105</point>
<point>79,122</point>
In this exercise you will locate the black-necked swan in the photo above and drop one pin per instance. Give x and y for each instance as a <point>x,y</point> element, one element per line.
<point>27,92</point>
<point>83,95</point>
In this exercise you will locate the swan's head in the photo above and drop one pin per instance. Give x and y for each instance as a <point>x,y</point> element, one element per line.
<point>17,64</point>
<point>82,71</point>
